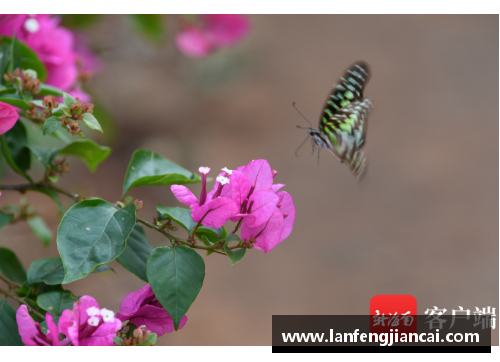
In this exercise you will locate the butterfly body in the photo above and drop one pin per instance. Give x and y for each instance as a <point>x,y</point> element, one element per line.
<point>343,122</point>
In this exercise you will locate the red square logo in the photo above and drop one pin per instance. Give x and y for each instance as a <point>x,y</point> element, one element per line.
<point>393,313</point>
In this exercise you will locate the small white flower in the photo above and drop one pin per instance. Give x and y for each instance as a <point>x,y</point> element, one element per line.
<point>93,311</point>
<point>204,170</point>
<point>93,321</point>
<point>229,172</point>
<point>223,180</point>
<point>107,315</point>
<point>31,25</point>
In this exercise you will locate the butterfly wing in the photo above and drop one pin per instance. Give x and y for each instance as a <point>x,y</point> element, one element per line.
<point>349,88</point>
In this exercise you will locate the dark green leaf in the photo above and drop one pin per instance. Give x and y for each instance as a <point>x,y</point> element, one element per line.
<point>16,139</point>
<point>4,59</point>
<point>11,267</point>
<point>5,219</point>
<point>151,26</point>
<point>68,100</point>
<point>16,102</point>
<point>15,60</point>
<point>92,233</point>
<point>40,229</point>
<point>176,276</point>
<point>232,237</point>
<point>48,270</point>
<point>43,154</point>
<point>5,90</point>
<point>48,90</point>
<point>43,325</point>
<point>212,234</point>
<point>57,301</point>
<point>90,152</point>
<point>136,253</point>
<point>147,168</point>
<point>10,160</point>
<point>52,124</point>
<point>28,59</point>
<point>235,255</point>
<point>91,122</point>
<point>103,268</point>
<point>9,334</point>
<point>177,214</point>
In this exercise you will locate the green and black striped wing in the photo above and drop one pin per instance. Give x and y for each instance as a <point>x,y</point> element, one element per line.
<point>345,115</point>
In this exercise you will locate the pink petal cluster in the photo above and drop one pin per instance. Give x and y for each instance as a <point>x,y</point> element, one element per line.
<point>142,308</point>
<point>55,47</point>
<point>248,196</point>
<point>8,117</point>
<point>215,31</point>
<point>85,325</point>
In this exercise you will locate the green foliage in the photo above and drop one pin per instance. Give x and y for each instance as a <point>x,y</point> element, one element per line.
<point>15,140</point>
<point>236,255</point>
<point>92,233</point>
<point>5,90</point>
<point>40,229</point>
<point>26,58</point>
<point>9,335</point>
<point>5,219</point>
<point>68,100</point>
<point>57,301</point>
<point>148,168</point>
<point>150,341</point>
<point>91,122</point>
<point>15,101</point>
<point>88,151</point>
<point>151,26</point>
<point>182,217</point>
<point>47,270</point>
<point>176,276</point>
<point>51,125</point>
<point>48,90</point>
<point>11,267</point>
<point>136,253</point>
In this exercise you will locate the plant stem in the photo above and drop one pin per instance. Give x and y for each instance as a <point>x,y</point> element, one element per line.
<point>20,300</point>
<point>8,282</point>
<point>237,226</point>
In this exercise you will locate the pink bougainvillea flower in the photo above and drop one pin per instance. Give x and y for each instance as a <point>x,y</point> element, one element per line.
<point>63,56</point>
<point>211,210</point>
<point>142,308</point>
<point>8,117</point>
<point>87,325</point>
<point>215,31</point>
<point>31,333</point>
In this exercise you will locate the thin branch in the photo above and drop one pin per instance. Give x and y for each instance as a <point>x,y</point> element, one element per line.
<point>9,282</point>
<point>21,300</point>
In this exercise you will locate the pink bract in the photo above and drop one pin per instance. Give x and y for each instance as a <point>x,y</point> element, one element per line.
<point>142,308</point>
<point>8,117</point>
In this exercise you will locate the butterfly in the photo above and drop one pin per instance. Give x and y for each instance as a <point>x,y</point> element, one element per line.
<point>343,122</point>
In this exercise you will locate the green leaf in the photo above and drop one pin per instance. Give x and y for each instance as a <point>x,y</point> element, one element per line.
<point>52,124</point>
<point>232,237</point>
<point>236,255</point>
<point>68,100</point>
<point>10,160</point>
<point>40,229</point>
<point>47,270</point>
<point>181,216</point>
<point>43,154</point>
<point>11,267</point>
<point>176,276</point>
<point>5,219</point>
<point>57,301</point>
<point>147,168</point>
<point>9,334</point>
<point>150,341</point>
<point>92,233</point>
<point>103,268</point>
<point>212,234</point>
<point>16,139</point>
<point>136,253</point>
<point>15,60</point>
<point>90,152</point>
<point>28,59</point>
<point>91,122</point>
<point>151,26</point>
<point>4,59</point>
<point>48,90</point>
<point>16,102</point>
<point>5,90</point>
<point>118,341</point>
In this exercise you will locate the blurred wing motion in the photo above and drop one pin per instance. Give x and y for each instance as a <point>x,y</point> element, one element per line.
<point>343,123</point>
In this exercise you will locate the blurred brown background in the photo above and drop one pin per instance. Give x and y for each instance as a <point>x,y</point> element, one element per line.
<point>425,222</point>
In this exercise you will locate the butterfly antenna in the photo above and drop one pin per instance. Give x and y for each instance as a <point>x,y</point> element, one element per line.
<point>293,104</point>
<point>302,144</point>
<point>319,149</point>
